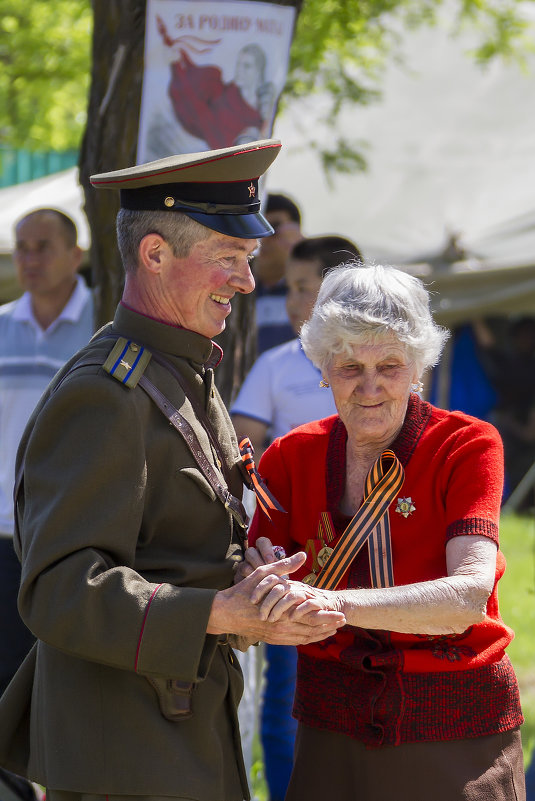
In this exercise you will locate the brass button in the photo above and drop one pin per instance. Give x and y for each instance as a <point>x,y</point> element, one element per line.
<point>169,201</point>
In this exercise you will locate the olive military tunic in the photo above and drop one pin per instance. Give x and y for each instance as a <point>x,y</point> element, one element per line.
<point>123,546</point>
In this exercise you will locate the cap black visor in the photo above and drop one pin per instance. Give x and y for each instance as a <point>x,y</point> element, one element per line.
<point>242,226</point>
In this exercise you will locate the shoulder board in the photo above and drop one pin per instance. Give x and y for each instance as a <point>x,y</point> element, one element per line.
<point>127,362</point>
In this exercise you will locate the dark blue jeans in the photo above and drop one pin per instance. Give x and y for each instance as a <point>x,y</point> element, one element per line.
<point>15,639</point>
<point>530,780</point>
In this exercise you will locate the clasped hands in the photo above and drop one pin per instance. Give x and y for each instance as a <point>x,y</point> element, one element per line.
<point>265,604</point>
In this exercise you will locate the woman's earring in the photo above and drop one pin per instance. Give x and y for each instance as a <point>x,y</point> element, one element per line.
<point>323,383</point>
<point>417,387</point>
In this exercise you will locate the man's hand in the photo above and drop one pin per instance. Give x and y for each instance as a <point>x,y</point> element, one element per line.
<point>261,554</point>
<point>238,609</point>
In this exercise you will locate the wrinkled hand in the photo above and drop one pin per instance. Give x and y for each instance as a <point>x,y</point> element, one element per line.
<point>293,599</point>
<point>238,610</point>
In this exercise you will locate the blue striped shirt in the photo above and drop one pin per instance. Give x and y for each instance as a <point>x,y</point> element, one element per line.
<point>29,359</point>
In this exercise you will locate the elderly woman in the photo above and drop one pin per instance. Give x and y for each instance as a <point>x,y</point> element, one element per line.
<point>396,504</point>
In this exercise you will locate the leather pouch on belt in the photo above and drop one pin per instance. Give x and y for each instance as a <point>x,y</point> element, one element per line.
<point>174,697</point>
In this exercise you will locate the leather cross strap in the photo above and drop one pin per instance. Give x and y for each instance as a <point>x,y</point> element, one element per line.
<point>179,422</point>
<point>230,502</point>
<point>181,425</point>
<point>371,524</point>
<point>200,413</point>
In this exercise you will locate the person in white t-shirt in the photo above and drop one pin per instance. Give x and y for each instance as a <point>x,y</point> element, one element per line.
<point>39,332</point>
<point>272,324</point>
<point>283,390</point>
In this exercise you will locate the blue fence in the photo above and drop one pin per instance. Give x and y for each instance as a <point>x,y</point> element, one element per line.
<point>17,166</point>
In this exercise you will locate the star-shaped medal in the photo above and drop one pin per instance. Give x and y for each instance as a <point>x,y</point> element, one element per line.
<point>405,507</point>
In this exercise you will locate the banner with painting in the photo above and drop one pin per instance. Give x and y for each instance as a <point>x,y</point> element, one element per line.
<point>213,74</point>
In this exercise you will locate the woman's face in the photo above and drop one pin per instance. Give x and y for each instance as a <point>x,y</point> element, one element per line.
<point>371,388</point>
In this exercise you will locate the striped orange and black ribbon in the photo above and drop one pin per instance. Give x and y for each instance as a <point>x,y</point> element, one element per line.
<point>371,524</point>
<point>264,498</point>
<point>326,532</point>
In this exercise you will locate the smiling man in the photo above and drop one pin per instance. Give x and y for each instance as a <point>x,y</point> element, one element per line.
<point>130,523</point>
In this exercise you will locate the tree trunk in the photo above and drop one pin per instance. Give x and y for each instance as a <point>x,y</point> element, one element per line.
<point>110,140</point>
<point>110,143</point>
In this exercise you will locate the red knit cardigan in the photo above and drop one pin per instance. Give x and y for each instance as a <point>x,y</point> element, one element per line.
<point>383,687</point>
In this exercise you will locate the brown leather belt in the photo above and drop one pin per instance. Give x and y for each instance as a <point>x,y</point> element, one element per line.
<point>179,422</point>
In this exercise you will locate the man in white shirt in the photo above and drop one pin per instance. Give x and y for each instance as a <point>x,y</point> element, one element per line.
<point>39,332</point>
<point>272,323</point>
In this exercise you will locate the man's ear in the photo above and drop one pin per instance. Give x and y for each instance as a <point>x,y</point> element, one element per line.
<point>152,250</point>
<point>77,256</point>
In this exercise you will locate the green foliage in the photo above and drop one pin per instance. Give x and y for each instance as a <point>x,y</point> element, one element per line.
<point>362,33</point>
<point>503,32</point>
<point>517,607</point>
<point>257,779</point>
<point>44,72</point>
<point>340,50</point>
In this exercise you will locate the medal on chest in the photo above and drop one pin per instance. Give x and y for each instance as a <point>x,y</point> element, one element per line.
<point>320,556</point>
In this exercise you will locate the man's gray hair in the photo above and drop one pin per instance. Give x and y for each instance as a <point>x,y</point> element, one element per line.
<point>358,305</point>
<point>178,230</point>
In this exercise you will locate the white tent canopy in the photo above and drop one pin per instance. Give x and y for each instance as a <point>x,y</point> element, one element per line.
<point>451,150</point>
<point>61,191</point>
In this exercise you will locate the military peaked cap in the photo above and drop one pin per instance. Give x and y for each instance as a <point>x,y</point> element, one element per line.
<point>218,188</point>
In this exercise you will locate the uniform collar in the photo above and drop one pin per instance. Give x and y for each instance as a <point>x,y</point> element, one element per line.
<point>166,338</point>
